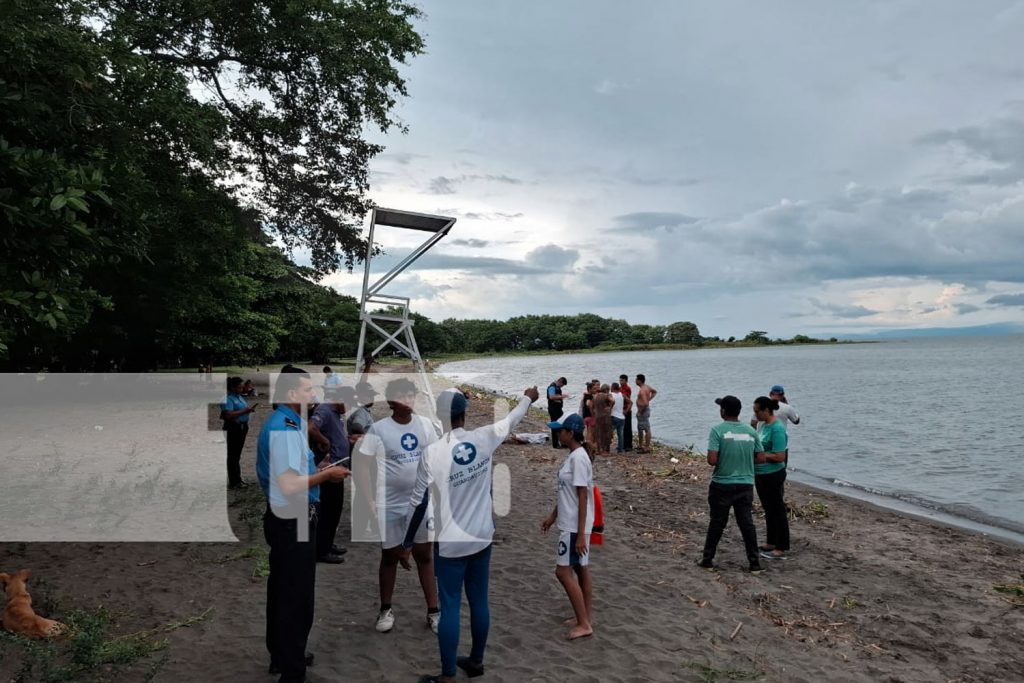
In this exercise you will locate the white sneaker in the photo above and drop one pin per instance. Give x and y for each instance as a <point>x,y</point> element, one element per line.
<point>385,621</point>
<point>433,621</point>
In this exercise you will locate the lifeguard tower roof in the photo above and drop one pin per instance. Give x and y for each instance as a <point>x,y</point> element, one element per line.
<point>413,221</point>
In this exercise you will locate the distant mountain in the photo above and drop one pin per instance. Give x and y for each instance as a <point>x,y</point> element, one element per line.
<point>972,331</point>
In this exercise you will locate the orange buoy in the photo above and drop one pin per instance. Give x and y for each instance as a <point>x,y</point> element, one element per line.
<point>597,533</point>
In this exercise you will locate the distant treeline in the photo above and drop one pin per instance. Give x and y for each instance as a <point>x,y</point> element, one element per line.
<point>537,333</point>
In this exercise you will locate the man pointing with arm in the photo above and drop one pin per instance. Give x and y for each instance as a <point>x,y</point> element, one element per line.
<point>458,469</point>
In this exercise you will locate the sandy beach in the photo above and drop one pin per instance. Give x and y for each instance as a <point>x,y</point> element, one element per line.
<point>867,594</point>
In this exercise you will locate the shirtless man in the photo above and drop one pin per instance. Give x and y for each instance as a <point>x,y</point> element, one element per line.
<point>645,393</point>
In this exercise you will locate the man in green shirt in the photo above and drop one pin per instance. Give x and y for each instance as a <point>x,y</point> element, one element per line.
<point>733,449</point>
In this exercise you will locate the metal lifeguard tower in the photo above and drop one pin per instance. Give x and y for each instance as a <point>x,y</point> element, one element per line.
<point>395,326</point>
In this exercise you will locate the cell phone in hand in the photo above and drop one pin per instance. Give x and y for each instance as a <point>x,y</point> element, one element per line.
<point>344,462</point>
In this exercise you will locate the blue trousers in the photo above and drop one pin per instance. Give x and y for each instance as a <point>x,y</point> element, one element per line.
<point>473,572</point>
<point>620,427</point>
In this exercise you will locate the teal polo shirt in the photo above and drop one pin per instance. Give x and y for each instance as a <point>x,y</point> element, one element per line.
<point>736,444</point>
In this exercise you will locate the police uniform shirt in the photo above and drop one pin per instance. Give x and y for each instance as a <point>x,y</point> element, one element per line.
<point>283,447</point>
<point>232,403</point>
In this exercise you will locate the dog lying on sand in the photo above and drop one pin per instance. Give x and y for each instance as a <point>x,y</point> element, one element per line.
<point>18,616</point>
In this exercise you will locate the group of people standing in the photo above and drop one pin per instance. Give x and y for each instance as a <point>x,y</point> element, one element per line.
<point>749,457</point>
<point>607,409</point>
<point>428,489</point>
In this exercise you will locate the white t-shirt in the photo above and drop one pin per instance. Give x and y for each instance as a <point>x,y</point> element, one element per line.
<point>787,414</point>
<point>577,470</point>
<point>457,471</point>
<point>619,402</point>
<point>397,449</point>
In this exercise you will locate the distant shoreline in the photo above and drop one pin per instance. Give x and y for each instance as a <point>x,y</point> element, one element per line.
<point>438,358</point>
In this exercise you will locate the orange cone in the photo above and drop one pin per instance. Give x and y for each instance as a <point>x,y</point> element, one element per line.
<point>597,533</point>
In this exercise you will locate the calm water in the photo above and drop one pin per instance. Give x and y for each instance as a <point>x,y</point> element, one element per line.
<point>931,423</point>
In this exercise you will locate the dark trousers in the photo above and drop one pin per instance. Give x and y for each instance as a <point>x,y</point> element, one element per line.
<point>236,433</point>
<point>627,430</point>
<point>740,499</point>
<point>290,593</point>
<point>473,572</point>
<point>555,412</point>
<point>332,500</point>
<point>771,492</point>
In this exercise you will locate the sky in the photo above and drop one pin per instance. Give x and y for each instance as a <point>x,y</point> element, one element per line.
<point>815,167</point>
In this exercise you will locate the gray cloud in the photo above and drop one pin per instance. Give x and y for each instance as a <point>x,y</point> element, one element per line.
<point>1007,299</point>
<point>652,220</point>
<point>552,257</point>
<point>874,233</point>
<point>966,308</point>
<point>441,185</point>
<point>542,260</point>
<point>400,158</point>
<point>449,185</point>
<point>472,242</point>
<point>1000,142</point>
<point>842,310</point>
<point>481,216</point>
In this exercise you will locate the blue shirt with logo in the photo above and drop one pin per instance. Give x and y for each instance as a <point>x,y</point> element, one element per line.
<point>282,447</point>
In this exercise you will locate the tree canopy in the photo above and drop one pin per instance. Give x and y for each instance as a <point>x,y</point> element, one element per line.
<point>152,150</point>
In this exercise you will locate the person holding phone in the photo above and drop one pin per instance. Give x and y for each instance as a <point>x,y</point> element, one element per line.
<point>234,411</point>
<point>290,480</point>
<point>328,436</point>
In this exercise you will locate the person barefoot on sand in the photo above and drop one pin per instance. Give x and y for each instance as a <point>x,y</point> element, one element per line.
<point>575,516</point>
<point>644,395</point>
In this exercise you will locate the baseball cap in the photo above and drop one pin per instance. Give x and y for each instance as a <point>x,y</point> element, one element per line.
<point>452,402</point>
<point>730,404</point>
<point>572,422</point>
<point>776,389</point>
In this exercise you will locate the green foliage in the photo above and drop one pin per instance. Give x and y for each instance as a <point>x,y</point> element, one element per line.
<point>88,654</point>
<point>146,148</point>
<point>757,337</point>
<point>1014,592</point>
<point>683,333</point>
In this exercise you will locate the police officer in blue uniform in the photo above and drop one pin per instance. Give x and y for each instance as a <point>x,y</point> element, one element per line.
<point>235,413</point>
<point>290,480</point>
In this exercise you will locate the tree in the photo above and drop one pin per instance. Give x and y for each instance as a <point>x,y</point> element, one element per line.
<point>757,337</point>
<point>683,333</point>
<point>134,208</point>
<point>298,82</point>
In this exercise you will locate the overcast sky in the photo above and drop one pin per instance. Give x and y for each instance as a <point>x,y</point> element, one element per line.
<point>796,167</point>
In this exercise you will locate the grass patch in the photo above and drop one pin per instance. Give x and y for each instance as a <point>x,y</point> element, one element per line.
<point>850,603</point>
<point>814,511</point>
<point>1014,592</point>
<point>87,654</point>
<point>711,674</point>
<point>261,568</point>
<point>249,504</point>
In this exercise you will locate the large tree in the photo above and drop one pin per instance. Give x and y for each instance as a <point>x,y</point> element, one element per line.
<point>298,81</point>
<point>147,146</point>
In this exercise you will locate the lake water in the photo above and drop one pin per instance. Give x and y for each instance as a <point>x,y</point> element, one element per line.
<point>932,426</point>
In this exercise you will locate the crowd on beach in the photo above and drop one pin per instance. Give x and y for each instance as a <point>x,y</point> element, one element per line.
<point>424,488</point>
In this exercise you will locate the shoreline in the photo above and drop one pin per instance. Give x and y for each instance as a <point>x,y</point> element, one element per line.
<point>881,501</point>
<point>437,360</point>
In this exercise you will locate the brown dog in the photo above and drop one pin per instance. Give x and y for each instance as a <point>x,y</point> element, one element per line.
<point>18,616</point>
